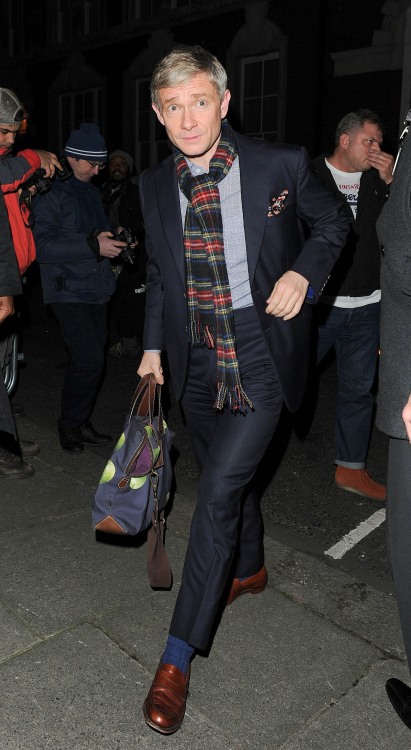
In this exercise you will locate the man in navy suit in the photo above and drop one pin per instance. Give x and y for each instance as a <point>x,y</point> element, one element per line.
<point>230,283</point>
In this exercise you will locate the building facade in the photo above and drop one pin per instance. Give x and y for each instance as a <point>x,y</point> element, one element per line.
<point>294,68</point>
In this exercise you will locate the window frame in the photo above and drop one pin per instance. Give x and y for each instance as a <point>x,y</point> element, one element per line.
<point>97,113</point>
<point>278,125</point>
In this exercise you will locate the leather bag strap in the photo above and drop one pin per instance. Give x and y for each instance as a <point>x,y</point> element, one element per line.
<point>158,566</point>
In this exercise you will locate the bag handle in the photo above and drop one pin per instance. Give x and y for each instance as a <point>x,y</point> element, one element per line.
<point>144,400</point>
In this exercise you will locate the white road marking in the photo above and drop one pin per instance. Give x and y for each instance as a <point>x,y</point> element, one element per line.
<point>353,537</point>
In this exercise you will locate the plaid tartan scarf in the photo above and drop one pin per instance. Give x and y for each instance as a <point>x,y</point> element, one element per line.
<point>210,308</point>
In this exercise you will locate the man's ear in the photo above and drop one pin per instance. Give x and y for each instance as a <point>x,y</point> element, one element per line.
<point>344,141</point>
<point>225,102</point>
<point>158,113</point>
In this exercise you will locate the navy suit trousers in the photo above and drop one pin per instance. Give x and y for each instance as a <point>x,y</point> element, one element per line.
<point>226,538</point>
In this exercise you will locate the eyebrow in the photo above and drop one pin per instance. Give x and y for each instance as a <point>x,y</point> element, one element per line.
<point>193,96</point>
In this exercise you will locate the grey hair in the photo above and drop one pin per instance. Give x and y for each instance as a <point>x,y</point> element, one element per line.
<point>355,121</point>
<point>181,64</point>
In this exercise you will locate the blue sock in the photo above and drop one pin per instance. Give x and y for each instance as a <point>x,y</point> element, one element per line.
<point>178,653</point>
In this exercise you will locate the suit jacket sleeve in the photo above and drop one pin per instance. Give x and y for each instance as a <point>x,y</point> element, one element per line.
<point>154,314</point>
<point>327,223</point>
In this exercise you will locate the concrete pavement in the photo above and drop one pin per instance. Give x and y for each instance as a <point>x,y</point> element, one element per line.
<point>300,667</point>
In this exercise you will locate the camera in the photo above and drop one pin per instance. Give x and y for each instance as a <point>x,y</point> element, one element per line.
<point>127,255</point>
<point>42,183</point>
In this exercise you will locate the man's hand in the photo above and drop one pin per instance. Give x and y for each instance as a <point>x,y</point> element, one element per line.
<point>6,307</point>
<point>406,415</point>
<point>383,162</point>
<point>288,295</point>
<point>151,362</point>
<point>109,247</point>
<point>49,162</point>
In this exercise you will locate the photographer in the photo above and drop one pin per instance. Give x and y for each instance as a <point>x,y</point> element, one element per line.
<point>121,202</point>
<point>74,246</point>
<point>14,171</point>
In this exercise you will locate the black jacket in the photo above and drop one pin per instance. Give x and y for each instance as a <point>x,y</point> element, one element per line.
<point>10,285</point>
<point>122,205</point>
<point>64,219</point>
<point>357,272</point>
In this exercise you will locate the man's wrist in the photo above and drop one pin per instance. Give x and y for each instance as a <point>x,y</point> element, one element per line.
<point>94,245</point>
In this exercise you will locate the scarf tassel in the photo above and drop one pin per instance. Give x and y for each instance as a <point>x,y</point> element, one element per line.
<point>235,397</point>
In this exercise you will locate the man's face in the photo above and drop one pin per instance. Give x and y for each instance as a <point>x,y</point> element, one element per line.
<point>118,169</point>
<point>7,137</point>
<point>83,169</point>
<point>191,114</point>
<point>359,144</point>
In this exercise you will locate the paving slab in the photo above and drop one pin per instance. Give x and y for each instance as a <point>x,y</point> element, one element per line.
<point>57,574</point>
<point>353,605</point>
<point>79,691</point>
<point>15,635</point>
<point>363,718</point>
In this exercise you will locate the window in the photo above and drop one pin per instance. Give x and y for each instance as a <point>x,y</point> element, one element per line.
<point>77,107</point>
<point>260,84</point>
<point>151,143</point>
<point>147,8</point>
<point>70,20</point>
<point>11,28</point>
<point>78,18</point>
<point>94,16</point>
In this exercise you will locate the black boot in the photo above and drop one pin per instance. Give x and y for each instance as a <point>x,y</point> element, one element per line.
<point>71,441</point>
<point>400,697</point>
<point>90,436</point>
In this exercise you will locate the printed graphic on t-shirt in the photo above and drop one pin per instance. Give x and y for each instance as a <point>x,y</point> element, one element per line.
<point>348,184</point>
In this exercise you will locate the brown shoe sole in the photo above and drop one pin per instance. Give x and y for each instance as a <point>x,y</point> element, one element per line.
<point>357,492</point>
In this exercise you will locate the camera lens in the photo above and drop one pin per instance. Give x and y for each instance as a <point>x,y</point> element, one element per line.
<point>127,256</point>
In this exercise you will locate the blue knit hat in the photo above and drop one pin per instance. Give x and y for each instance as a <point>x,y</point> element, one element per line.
<point>86,143</point>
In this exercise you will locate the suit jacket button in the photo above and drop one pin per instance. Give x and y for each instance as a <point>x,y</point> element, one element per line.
<point>382,250</point>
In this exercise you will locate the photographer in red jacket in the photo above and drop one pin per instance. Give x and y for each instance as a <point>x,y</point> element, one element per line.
<point>14,171</point>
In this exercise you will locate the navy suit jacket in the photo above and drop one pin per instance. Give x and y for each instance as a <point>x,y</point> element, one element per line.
<point>306,236</point>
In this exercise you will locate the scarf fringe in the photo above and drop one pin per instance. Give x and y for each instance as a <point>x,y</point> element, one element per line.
<point>235,397</point>
<point>198,334</point>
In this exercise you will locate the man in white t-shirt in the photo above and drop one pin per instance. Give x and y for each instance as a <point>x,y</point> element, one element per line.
<point>348,314</point>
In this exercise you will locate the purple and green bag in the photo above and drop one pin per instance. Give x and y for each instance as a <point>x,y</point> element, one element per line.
<point>135,484</point>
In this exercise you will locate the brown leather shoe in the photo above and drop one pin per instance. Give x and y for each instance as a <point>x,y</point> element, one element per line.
<point>165,705</point>
<point>359,482</point>
<point>252,585</point>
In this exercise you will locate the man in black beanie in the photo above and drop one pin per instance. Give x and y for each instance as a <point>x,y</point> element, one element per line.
<point>74,246</point>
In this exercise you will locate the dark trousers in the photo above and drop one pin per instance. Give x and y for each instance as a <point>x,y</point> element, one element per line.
<point>399,531</point>
<point>128,305</point>
<point>84,331</point>
<point>226,538</point>
<point>354,334</point>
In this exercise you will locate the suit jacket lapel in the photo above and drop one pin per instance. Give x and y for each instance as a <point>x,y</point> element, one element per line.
<point>169,208</point>
<point>255,191</point>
